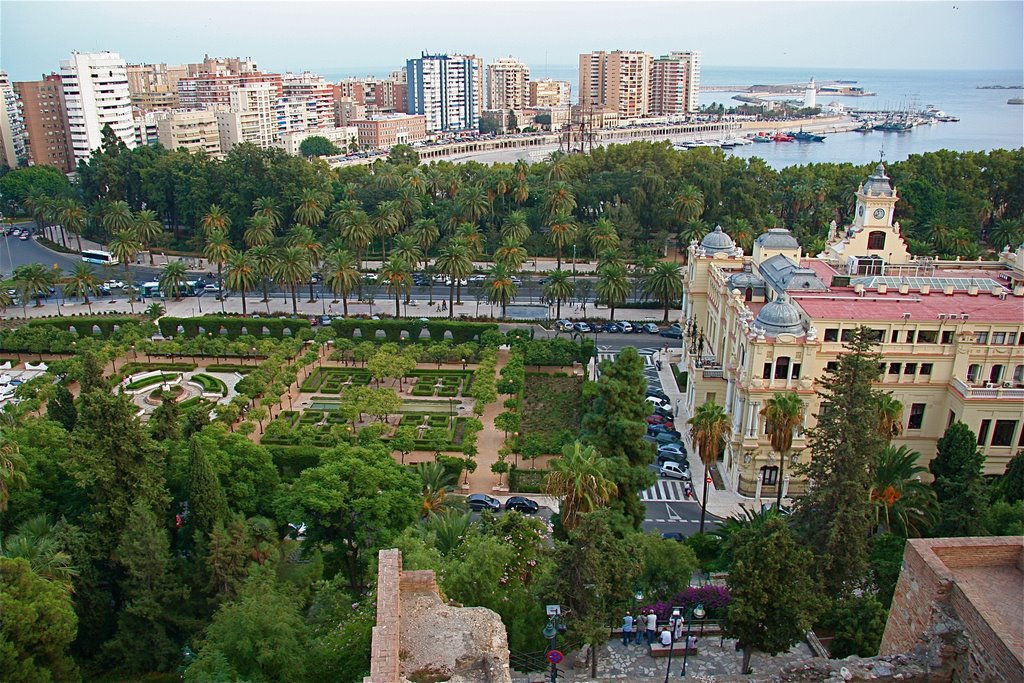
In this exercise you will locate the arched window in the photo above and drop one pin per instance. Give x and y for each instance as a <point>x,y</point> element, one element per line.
<point>782,367</point>
<point>748,295</point>
<point>1018,374</point>
<point>876,239</point>
<point>996,375</point>
<point>972,372</point>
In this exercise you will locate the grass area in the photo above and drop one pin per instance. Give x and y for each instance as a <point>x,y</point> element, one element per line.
<point>150,381</point>
<point>312,427</point>
<point>333,380</point>
<point>526,481</point>
<point>552,406</point>
<point>210,384</point>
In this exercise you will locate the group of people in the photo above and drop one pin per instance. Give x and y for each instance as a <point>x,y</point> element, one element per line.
<point>644,629</point>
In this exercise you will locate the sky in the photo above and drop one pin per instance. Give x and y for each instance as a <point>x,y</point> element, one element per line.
<point>343,36</point>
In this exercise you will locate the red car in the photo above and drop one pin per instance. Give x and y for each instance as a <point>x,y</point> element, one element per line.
<point>659,420</point>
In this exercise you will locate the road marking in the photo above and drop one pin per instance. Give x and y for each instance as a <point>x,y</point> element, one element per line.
<point>672,514</point>
<point>665,491</point>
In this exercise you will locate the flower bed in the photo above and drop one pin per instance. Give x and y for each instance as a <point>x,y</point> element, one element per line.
<point>714,598</point>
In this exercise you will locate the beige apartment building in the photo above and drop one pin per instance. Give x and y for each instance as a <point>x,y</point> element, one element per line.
<point>620,80</point>
<point>508,84</point>
<point>250,117</point>
<point>312,87</point>
<point>391,129</point>
<point>675,84</point>
<point>46,122</point>
<point>154,87</point>
<point>193,130</point>
<point>550,93</point>
<point>951,337</point>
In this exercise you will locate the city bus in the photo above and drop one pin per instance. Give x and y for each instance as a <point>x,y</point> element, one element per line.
<point>102,258</point>
<point>152,289</point>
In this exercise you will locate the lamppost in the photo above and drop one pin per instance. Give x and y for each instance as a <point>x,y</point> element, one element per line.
<point>574,266</point>
<point>451,412</point>
<point>676,615</point>
<point>551,631</point>
<point>697,611</point>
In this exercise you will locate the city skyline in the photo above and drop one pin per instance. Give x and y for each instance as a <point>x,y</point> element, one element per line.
<point>283,36</point>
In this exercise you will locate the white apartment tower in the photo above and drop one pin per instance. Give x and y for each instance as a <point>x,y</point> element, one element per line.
<point>13,151</point>
<point>95,88</point>
<point>508,84</point>
<point>446,90</point>
<point>675,84</point>
<point>313,87</point>
<point>250,116</point>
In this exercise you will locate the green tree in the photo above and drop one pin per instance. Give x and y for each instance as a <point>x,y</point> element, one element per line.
<point>580,480</point>
<point>317,146</point>
<point>302,237</point>
<point>291,269</point>
<point>403,154</point>
<point>664,283</point>
<point>666,565</point>
<point>455,262</point>
<point>215,220</point>
<point>12,470</point>
<point>397,279</point>
<point>117,217</point>
<point>890,416</point>
<point>173,279</point>
<point>208,506</point>
<point>886,563</point>
<point>958,483</point>
<point>147,228</point>
<point>857,623</point>
<point>218,250</point>
<point>82,282</point>
<point>267,207</point>
<point>125,247</point>
<point>32,281</point>
<point>260,232</point>
<point>558,288</point>
<point>561,232</point>
<point>903,504</point>
<point>37,628</point>
<point>612,287</point>
<point>710,427</point>
<point>164,422</point>
<point>835,515</point>
<point>242,274</point>
<point>341,275</point>
<point>61,407</point>
<point>782,414</point>
<point>1011,484</point>
<point>515,228</point>
<point>73,217</point>
<point>774,599</point>
<point>501,289</point>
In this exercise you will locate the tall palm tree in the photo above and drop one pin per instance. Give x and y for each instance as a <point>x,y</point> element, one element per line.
<point>147,228</point>
<point>425,232</point>
<point>890,416</point>
<point>558,288</point>
<point>409,204</point>
<point>265,260</point>
<point>215,220</point>
<point>470,235</point>
<point>903,503</point>
<point>293,269</point>
<point>39,207</point>
<point>260,231</point>
<point>32,281</point>
<point>581,479</point>
<point>13,470</point>
<point>267,207</point>
<point>665,283</point>
<point>303,237</point>
<point>117,217</point>
<point>782,414</point>
<point>560,200</point>
<point>341,275</point>
<point>218,250</point>
<point>397,279</point>
<point>501,289</point>
<point>472,204</point>
<point>311,207</point>
<point>73,217</point>
<point>511,255</point>
<point>454,261</point>
<point>385,222</point>
<point>173,279</point>
<point>611,257</point>
<point>353,227</point>
<point>83,282</point>
<point>612,287</point>
<point>407,248</point>
<point>709,427</point>
<point>242,274</point>
<point>602,236</point>
<point>125,246</point>
<point>561,232</point>
<point>688,205</point>
<point>515,227</point>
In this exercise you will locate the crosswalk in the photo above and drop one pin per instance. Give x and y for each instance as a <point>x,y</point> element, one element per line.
<point>665,491</point>
<point>646,354</point>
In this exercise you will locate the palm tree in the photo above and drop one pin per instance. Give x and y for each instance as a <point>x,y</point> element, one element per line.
<point>581,479</point>
<point>265,260</point>
<point>353,227</point>
<point>241,274</point>
<point>39,206</point>
<point>709,427</point>
<point>425,232</point>
<point>611,257</point>
<point>31,281</point>
<point>117,217</point>
<point>385,222</point>
<point>665,283</point>
<point>73,217</point>
<point>341,275</point>
<point>890,416</point>
<point>13,469</point>
<point>407,248</point>
<point>125,246</point>
<point>302,237</point>
<point>36,542</point>
<point>260,231</point>
<point>292,269</point>
<point>782,414</point>
<point>218,250</point>
<point>472,204</point>
<point>560,200</point>
<point>147,228</point>
<point>898,494</point>
<point>501,289</point>
<point>454,262</point>
<point>612,287</point>
<point>311,207</point>
<point>437,482</point>
<point>155,310</point>
<point>688,205</point>
<point>510,254</point>
<point>173,279</point>
<point>5,300</point>
<point>215,220</point>
<point>602,236</point>
<point>515,227</point>
<point>266,207</point>
<point>561,231</point>
<point>448,527</point>
<point>469,234</point>
<point>558,288</point>
<point>83,282</point>
<point>397,278</point>
<point>1006,232</point>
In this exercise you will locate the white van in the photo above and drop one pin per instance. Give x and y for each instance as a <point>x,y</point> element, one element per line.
<point>675,470</point>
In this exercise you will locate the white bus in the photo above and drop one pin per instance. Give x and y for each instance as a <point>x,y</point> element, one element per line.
<point>103,258</point>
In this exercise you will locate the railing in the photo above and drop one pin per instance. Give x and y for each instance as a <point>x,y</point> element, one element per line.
<point>714,372</point>
<point>527,662</point>
<point>967,391</point>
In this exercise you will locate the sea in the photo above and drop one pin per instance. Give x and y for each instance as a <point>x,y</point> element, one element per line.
<point>987,122</point>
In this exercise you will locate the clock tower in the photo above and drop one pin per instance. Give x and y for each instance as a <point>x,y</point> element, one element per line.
<point>876,201</point>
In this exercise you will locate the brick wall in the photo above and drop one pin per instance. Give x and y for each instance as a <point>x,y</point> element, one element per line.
<point>385,666</point>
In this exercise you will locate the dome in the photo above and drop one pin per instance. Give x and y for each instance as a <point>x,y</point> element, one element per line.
<point>717,241</point>
<point>878,184</point>
<point>778,317</point>
<point>777,238</point>
<point>743,280</point>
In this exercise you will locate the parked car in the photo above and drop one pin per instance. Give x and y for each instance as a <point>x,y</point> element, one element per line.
<point>613,327</point>
<point>654,430</point>
<point>672,333</point>
<point>481,501</point>
<point>669,456</point>
<point>673,448</point>
<point>658,401</point>
<point>314,321</point>
<point>664,412</point>
<point>627,326</point>
<point>651,391</point>
<point>675,470</point>
<point>563,326</point>
<point>113,284</point>
<point>325,320</point>
<point>673,536</point>
<point>651,328</point>
<point>582,327</point>
<point>663,439</point>
<point>522,504</point>
<point>658,420</point>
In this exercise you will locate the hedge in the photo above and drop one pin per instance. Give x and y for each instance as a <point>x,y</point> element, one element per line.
<point>54,335</point>
<point>526,481</point>
<point>149,381</point>
<point>210,384</point>
<point>231,327</point>
<point>461,332</point>
<point>132,368</point>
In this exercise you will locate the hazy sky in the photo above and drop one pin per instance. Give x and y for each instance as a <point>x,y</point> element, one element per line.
<point>336,36</point>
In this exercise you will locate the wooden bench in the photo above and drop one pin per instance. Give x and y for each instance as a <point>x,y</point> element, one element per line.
<point>659,650</point>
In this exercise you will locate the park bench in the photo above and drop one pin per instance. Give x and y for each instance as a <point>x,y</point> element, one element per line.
<point>659,650</point>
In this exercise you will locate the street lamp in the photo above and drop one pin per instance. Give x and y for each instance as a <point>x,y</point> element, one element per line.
<point>673,621</point>
<point>574,265</point>
<point>696,612</point>
<point>451,412</point>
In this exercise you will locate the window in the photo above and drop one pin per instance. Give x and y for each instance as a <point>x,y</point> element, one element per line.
<point>796,371</point>
<point>876,240</point>
<point>767,374</point>
<point>983,432</point>
<point>769,475</point>
<point>916,416</point>
<point>846,335</point>
<point>996,375</point>
<point>947,337</point>
<point>998,337</point>
<point>910,337</point>
<point>927,336</point>
<point>782,367</point>
<point>894,368</point>
<point>748,294</point>
<point>926,368</point>
<point>910,368</point>
<point>832,334</point>
<point>1002,435</point>
<point>1018,374</point>
<point>972,373</point>
<point>951,419</point>
<point>981,337</point>
<point>895,337</point>
<point>832,366</point>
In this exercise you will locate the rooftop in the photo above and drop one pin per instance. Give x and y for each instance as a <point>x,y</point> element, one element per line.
<point>842,303</point>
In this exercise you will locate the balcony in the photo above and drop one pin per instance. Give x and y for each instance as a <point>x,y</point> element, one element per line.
<point>713,371</point>
<point>988,392</point>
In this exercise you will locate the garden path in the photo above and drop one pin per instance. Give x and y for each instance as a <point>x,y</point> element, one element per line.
<point>489,441</point>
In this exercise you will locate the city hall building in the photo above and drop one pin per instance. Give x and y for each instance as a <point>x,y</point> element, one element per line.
<point>951,337</point>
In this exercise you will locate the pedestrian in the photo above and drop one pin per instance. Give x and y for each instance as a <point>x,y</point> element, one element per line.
<point>652,627</point>
<point>666,636</point>
<point>627,629</point>
<point>638,626</point>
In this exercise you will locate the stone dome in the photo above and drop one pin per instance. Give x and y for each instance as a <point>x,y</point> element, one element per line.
<point>778,317</point>
<point>743,279</point>
<point>777,238</point>
<point>878,184</point>
<point>717,241</point>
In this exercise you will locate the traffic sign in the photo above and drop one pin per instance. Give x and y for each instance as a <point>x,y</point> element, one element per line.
<point>708,480</point>
<point>555,657</point>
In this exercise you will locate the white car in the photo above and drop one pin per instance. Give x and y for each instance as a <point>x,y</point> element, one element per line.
<point>675,470</point>
<point>654,400</point>
<point>113,284</point>
<point>212,287</point>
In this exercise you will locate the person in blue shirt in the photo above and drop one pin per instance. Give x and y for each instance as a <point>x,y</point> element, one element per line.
<point>627,629</point>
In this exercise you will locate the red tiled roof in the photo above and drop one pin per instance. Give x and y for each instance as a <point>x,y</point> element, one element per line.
<point>844,304</point>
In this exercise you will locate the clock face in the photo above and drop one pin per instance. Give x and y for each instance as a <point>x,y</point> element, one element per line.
<point>860,210</point>
<point>879,214</point>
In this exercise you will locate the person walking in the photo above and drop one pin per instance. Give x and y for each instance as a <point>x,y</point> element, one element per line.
<point>627,630</point>
<point>652,627</point>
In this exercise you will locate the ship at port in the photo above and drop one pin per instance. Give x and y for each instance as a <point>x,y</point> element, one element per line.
<point>803,136</point>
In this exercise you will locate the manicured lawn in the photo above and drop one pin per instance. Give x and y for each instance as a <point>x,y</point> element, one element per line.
<point>551,406</point>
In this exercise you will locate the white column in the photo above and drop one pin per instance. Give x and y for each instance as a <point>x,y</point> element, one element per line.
<point>752,419</point>
<point>728,392</point>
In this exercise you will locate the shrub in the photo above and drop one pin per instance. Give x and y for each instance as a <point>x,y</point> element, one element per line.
<point>210,384</point>
<point>150,381</point>
<point>234,327</point>
<point>526,481</point>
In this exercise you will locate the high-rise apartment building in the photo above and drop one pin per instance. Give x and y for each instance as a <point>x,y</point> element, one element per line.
<point>508,82</point>
<point>250,116</point>
<point>446,90</point>
<point>620,80</point>
<point>46,122</point>
<point>193,130</point>
<point>295,114</point>
<point>95,86</point>
<point>675,84</point>
<point>312,87</point>
<point>155,86</point>
<point>550,93</point>
<point>378,95</point>
<point>12,126</point>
